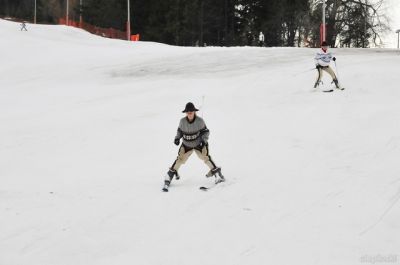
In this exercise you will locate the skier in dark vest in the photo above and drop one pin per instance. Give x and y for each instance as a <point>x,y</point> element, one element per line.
<point>194,134</point>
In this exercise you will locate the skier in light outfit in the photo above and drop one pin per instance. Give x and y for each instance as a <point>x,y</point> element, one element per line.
<point>322,63</point>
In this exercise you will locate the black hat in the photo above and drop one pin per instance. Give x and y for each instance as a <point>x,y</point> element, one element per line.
<point>190,107</point>
<point>324,43</point>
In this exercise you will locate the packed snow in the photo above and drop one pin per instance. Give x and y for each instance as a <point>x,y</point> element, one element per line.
<point>87,127</point>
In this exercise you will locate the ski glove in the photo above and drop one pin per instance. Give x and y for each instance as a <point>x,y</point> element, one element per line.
<point>334,58</point>
<point>202,144</point>
<point>318,66</point>
<point>177,141</point>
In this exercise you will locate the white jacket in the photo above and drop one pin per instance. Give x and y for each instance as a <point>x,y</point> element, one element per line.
<point>323,58</point>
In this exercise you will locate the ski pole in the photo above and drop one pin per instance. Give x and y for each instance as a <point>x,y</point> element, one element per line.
<point>337,71</point>
<point>202,106</point>
<point>337,76</point>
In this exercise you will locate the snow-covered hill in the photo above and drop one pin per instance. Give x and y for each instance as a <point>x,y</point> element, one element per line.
<point>87,127</point>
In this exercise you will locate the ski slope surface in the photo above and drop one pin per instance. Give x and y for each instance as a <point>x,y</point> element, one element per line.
<point>86,136</point>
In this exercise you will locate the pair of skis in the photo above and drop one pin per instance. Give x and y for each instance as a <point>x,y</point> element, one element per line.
<point>339,87</point>
<point>331,90</point>
<point>203,188</point>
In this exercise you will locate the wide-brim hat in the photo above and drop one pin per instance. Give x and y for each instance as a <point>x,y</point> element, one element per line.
<point>190,108</point>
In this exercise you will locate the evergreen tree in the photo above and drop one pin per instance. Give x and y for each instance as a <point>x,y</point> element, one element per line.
<point>352,23</point>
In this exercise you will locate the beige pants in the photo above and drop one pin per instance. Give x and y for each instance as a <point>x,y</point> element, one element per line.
<point>184,154</point>
<point>328,70</point>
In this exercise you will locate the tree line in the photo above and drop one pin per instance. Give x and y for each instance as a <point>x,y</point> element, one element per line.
<point>292,23</point>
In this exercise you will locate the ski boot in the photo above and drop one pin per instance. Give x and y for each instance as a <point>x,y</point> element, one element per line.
<point>173,173</point>
<point>216,172</point>
<point>337,84</point>
<point>168,178</point>
<point>318,83</point>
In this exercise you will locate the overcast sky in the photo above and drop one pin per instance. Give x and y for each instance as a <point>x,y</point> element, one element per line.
<point>393,11</point>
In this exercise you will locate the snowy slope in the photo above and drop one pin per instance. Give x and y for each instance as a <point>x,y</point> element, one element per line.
<point>87,127</point>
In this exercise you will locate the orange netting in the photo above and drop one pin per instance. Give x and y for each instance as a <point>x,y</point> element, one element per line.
<point>104,32</point>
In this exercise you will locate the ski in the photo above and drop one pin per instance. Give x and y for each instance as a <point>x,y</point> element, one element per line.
<point>317,87</point>
<point>206,188</point>
<point>328,91</point>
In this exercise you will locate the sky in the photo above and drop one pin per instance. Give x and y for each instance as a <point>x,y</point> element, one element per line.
<point>393,11</point>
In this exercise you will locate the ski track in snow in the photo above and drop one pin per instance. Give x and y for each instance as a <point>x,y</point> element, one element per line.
<point>392,203</point>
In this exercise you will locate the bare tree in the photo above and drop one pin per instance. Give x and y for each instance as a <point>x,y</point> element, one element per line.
<point>352,23</point>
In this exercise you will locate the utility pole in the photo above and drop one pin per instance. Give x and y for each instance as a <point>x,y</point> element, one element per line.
<point>128,23</point>
<point>365,23</point>
<point>398,38</point>
<point>201,23</point>
<point>323,21</point>
<point>80,13</point>
<point>34,20</point>
<point>67,15</point>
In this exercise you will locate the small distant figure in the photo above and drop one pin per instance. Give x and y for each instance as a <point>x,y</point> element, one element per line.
<point>261,39</point>
<point>23,26</point>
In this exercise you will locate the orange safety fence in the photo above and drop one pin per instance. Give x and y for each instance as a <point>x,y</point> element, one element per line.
<point>104,32</point>
<point>135,37</point>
